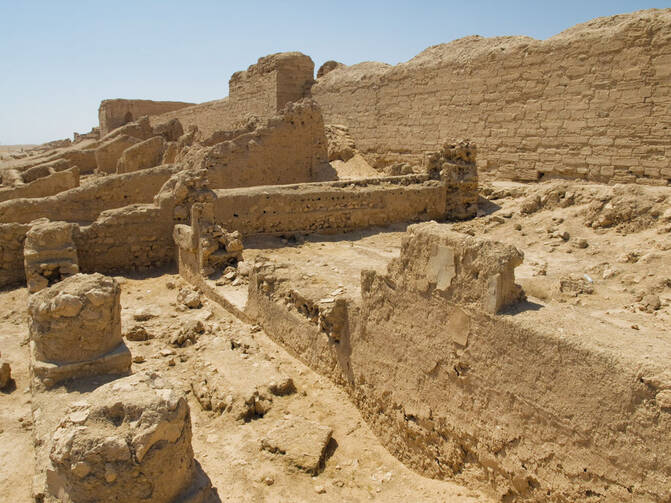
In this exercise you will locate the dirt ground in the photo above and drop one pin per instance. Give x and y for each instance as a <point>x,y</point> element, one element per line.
<point>602,251</point>
<point>358,468</point>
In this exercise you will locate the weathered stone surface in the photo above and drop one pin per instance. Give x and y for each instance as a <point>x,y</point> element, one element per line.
<point>301,441</point>
<point>129,440</point>
<point>76,320</point>
<point>50,254</point>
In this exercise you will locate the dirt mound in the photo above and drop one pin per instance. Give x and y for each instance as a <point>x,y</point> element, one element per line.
<point>628,208</point>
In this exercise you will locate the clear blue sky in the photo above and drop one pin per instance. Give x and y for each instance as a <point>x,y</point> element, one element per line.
<point>58,60</point>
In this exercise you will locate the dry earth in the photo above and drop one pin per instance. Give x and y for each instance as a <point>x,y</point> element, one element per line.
<point>358,467</point>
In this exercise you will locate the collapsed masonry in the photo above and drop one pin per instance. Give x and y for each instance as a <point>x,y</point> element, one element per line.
<point>114,442</point>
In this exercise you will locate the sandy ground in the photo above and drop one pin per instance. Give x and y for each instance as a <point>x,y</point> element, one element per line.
<point>620,270</point>
<point>358,468</point>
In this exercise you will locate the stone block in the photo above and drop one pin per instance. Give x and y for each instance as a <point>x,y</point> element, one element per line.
<point>49,253</point>
<point>129,440</point>
<point>146,154</point>
<point>75,329</point>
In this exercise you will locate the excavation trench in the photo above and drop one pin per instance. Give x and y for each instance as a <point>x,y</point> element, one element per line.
<point>457,374</point>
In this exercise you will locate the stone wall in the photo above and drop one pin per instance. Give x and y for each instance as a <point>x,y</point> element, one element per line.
<point>262,90</point>
<point>447,385</point>
<point>136,237</point>
<point>287,148</point>
<point>331,206</point>
<point>117,112</point>
<point>85,203</point>
<point>49,183</point>
<point>590,103</point>
<point>12,237</point>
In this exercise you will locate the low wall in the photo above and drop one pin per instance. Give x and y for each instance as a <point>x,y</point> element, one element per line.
<point>12,237</point>
<point>84,204</point>
<point>262,90</point>
<point>117,112</point>
<point>288,148</point>
<point>449,388</point>
<point>590,103</point>
<point>136,237</point>
<point>331,206</point>
<point>51,183</point>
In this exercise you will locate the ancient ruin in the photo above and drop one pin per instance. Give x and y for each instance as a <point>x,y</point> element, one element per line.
<point>444,280</point>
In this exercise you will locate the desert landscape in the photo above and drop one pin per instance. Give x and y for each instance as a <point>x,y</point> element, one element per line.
<point>447,280</point>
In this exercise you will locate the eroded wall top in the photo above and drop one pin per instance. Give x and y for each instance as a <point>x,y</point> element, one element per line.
<point>117,112</point>
<point>589,103</point>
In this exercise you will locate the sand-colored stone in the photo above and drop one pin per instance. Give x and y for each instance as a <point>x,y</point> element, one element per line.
<point>50,254</point>
<point>129,440</point>
<point>75,329</point>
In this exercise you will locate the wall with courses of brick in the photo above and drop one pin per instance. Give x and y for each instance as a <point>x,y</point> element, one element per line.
<point>262,90</point>
<point>330,206</point>
<point>117,112</point>
<point>593,102</point>
<point>290,147</point>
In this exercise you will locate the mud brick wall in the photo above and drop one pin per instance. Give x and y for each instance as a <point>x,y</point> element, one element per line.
<point>262,90</point>
<point>287,148</point>
<point>117,112</point>
<point>593,102</point>
<point>329,207</point>
<point>12,237</point>
<point>135,237</point>
<point>50,183</point>
<point>84,204</point>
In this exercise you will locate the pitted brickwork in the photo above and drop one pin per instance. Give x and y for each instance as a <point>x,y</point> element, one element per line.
<point>590,103</point>
<point>115,113</point>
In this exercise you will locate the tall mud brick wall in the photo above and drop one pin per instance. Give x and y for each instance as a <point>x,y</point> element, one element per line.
<point>262,90</point>
<point>115,113</point>
<point>593,102</point>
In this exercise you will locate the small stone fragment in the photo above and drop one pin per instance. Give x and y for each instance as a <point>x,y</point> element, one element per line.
<point>650,303</point>
<point>138,333</point>
<point>189,298</point>
<point>144,314</point>
<point>5,374</point>
<point>303,442</point>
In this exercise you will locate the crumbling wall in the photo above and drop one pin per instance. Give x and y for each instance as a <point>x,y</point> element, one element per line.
<point>288,148</point>
<point>272,82</point>
<point>117,112</point>
<point>51,182</point>
<point>262,90</point>
<point>139,236</point>
<point>590,103</point>
<point>448,387</point>
<point>330,206</point>
<point>136,237</point>
<point>84,204</point>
